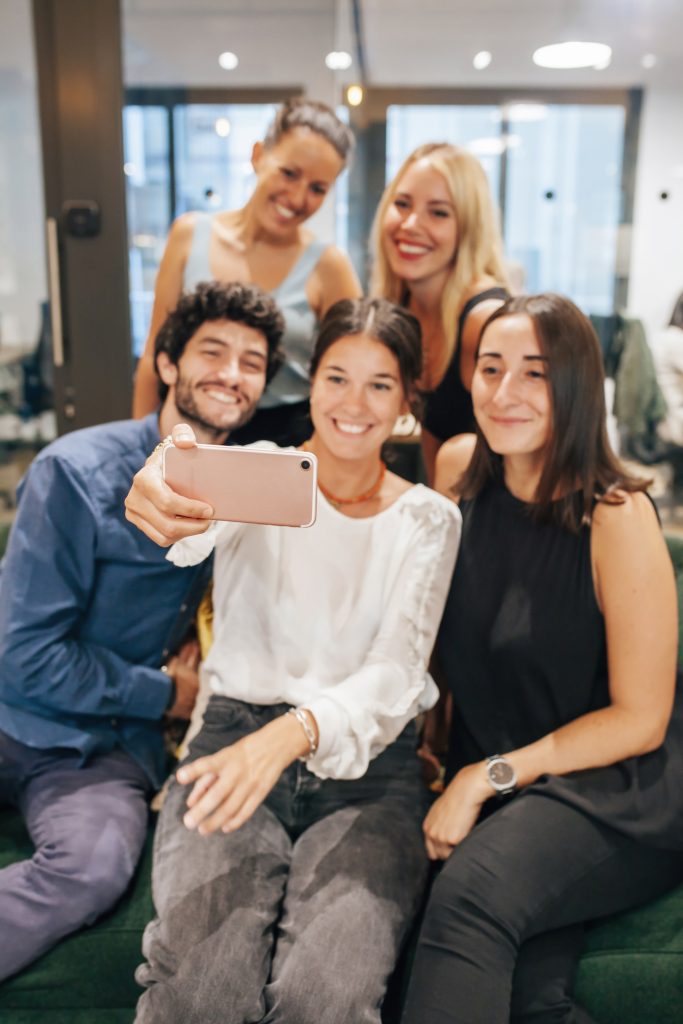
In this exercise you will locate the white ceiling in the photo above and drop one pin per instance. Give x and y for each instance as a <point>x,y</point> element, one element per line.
<point>407,42</point>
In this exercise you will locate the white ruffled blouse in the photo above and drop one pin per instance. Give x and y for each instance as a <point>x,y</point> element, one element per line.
<point>339,618</point>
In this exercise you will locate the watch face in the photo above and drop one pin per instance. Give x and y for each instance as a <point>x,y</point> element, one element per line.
<point>501,774</point>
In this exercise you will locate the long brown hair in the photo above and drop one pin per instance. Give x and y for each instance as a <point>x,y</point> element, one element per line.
<point>580,465</point>
<point>479,251</point>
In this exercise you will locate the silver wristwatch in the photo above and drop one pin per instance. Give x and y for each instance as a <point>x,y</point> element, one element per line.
<point>501,775</point>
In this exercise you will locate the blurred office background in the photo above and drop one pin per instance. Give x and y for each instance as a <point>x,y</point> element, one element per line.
<point>117,116</point>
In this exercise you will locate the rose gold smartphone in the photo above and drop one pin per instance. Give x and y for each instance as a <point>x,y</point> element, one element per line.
<point>246,485</point>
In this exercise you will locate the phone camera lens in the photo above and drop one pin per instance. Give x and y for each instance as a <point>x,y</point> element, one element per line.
<point>305,464</point>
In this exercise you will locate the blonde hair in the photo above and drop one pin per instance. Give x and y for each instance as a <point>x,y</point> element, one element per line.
<point>479,249</point>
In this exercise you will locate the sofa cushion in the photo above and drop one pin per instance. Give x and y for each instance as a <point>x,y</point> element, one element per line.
<point>632,969</point>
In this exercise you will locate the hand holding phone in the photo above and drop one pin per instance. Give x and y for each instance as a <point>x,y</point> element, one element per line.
<point>158,511</point>
<point>246,485</point>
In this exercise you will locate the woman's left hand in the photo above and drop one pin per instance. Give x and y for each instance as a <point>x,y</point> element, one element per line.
<point>453,816</point>
<point>230,784</point>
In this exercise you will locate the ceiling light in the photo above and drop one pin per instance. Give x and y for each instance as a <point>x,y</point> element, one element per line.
<point>489,145</point>
<point>493,145</point>
<point>482,60</point>
<point>222,127</point>
<point>228,61</point>
<point>339,60</point>
<point>648,60</point>
<point>573,55</point>
<point>527,112</point>
<point>354,95</point>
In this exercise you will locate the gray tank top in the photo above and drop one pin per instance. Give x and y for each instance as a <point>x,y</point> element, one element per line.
<point>291,382</point>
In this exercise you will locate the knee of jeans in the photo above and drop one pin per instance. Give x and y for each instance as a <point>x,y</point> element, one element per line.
<point>469,897</point>
<point>330,999</point>
<point>209,998</point>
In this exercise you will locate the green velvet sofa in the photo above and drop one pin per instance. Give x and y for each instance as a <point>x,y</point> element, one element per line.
<point>631,971</point>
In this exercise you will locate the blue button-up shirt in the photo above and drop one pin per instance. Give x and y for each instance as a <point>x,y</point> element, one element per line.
<point>89,607</point>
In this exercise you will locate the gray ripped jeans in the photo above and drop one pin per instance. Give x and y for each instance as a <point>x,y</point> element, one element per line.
<point>299,916</point>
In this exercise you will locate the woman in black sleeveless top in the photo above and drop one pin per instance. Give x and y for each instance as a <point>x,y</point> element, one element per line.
<point>559,644</point>
<point>437,250</point>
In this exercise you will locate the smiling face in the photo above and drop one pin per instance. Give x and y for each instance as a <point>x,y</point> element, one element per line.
<point>219,378</point>
<point>356,397</point>
<point>419,232</point>
<point>511,389</point>
<point>292,179</point>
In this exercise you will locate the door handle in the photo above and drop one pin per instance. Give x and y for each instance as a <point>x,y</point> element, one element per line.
<point>54,291</point>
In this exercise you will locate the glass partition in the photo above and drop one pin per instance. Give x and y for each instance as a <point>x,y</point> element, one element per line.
<point>27,418</point>
<point>563,198</point>
<point>556,173</point>
<point>181,157</point>
<point>477,128</point>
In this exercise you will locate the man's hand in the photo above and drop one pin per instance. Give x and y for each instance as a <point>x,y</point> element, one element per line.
<point>156,509</point>
<point>183,671</point>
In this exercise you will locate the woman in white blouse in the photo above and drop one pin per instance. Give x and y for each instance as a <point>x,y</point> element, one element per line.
<point>288,890</point>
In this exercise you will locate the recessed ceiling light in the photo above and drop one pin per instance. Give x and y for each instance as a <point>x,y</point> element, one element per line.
<point>648,60</point>
<point>228,60</point>
<point>354,95</point>
<point>339,60</point>
<point>482,60</point>
<point>493,145</point>
<point>527,111</point>
<point>222,127</point>
<point>573,55</point>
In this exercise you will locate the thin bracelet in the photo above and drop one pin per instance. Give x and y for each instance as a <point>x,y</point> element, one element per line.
<point>167,442</point>
<point>306,726</point>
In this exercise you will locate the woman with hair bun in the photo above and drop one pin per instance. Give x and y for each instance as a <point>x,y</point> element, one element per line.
<point>304,150</point>
<point>558,642</point>
<point>437,250</point>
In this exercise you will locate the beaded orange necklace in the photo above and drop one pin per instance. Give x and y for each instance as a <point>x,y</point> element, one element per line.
<point>372,493</point>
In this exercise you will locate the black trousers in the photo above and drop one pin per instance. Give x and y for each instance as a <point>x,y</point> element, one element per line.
<point>501,935</point>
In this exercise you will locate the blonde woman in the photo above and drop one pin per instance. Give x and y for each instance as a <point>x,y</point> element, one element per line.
<point>437,250</point>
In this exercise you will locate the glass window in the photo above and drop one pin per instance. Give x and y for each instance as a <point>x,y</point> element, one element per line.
<point>27,419</point>
<point>203,163</point>
<point>562,203</point>
<point>477,128</point>
<point>149,205</point>
<point>213,144</point>
<point>562,199</point>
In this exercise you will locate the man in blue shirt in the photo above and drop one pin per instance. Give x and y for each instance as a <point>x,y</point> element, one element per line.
<point>91,619</point>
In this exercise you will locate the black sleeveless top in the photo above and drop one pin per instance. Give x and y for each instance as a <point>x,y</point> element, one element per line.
<point>448,408</point>
<point>523,646</point>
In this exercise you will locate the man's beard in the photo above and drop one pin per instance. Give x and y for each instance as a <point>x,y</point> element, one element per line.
<point>187,406</point>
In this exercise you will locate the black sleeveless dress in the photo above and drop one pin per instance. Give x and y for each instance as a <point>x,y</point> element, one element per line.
<point>523,646</point>
<point>448,408</point>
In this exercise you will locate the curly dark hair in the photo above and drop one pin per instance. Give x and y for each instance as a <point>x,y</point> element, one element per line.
<point>242,303</point>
